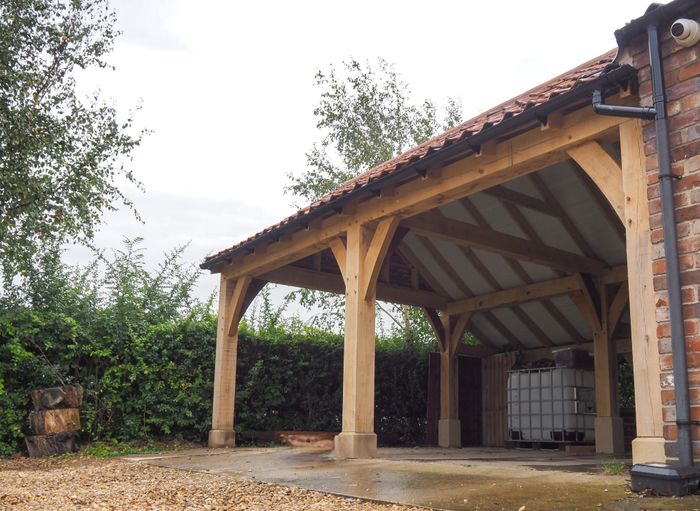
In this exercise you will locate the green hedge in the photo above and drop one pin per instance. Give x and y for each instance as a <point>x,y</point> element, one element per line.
<point>156,381</point>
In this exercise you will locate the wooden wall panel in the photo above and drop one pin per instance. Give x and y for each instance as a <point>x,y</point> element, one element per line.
<point>494,384</point>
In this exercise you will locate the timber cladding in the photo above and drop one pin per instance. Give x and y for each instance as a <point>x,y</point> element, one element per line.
<point>494,384</point>
<point>682,80</point>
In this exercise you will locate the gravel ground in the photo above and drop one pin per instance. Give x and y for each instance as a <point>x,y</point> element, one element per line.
<point>79,482</point>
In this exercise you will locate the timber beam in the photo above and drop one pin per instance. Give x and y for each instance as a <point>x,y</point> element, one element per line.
<point>518,156</point>
<point>334,283</point>
<point>468,235</point>
<point>508,297</point>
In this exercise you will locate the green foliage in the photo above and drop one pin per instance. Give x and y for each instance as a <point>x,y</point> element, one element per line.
<point>143,349</point>
<point>367,116</point>
<point>614,467</point>
<point>61,155</point>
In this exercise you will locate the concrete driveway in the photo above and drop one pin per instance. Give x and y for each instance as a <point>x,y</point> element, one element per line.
<point>457,479</point>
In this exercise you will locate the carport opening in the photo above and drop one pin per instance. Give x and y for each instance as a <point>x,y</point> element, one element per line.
<point>571,226</point>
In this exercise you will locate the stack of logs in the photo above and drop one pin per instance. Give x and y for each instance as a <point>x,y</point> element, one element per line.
<point>55,420</point>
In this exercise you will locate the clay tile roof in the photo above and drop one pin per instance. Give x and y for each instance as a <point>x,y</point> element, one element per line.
<point>510,109</point>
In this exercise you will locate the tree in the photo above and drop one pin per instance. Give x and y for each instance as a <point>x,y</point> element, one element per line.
<point>61,155</point>
<point>366,116</point>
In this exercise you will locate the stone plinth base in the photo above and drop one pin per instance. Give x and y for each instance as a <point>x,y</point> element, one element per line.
<point>649,449</point>
<point>355,445</point>
<point>609,435</point>
<point>221,438</point>
<point>449,433</point>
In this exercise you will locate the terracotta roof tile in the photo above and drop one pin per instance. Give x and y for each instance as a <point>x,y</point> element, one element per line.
<point>538,96</point>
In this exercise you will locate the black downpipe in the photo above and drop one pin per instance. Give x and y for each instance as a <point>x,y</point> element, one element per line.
<point>668,214</point>
<point>673,274</point>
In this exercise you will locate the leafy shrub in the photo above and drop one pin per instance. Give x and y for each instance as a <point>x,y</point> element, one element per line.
<point>144,351</point>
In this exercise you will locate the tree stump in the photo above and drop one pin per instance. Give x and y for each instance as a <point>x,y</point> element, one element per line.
<point>49,445</point>
<point>55,420</point>
<point>47,422</point>
<point>68,396</point>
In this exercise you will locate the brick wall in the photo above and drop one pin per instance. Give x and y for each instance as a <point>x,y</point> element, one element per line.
<point>682,77</point>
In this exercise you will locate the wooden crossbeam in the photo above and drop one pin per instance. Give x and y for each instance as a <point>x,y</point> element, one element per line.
<point>548,288</point>
<point>334,283</point>
<point>469,235</point>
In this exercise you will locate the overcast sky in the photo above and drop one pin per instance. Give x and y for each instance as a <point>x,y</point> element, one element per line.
<point>227,89</point>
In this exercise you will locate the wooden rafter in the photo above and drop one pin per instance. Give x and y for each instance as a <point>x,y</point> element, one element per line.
<point>522,199</point>
<point>465,290</point>
<point>445,266</point>
<point>415,262</point>
<point>464,234</point>
<point>564,217</point>
<point>502,329</point>
<point>531,325</point>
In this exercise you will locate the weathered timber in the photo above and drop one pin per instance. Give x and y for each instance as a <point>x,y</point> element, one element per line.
<point>67,396</point>
<point>61,420</point>
<point>50,445</point>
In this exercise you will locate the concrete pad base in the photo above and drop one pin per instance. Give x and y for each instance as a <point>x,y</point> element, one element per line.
<point>449,433</point>
<point>609,436</point>
<point>221,438</point>
<point>648,450</point>
<point>355,445</point>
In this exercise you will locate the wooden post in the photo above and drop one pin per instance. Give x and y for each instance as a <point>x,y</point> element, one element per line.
<point>449,427</point>
<point>648,447</point>
<point>449,331</point>
<point>363,259</point>
<point>233,299</point>
<point>609,430</point>
<point>609,437</point>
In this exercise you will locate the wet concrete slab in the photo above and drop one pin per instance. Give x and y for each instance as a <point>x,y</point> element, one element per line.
<point>457,479</point>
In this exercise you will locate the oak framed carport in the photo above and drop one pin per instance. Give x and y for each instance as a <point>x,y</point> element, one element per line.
<point>527,225</point>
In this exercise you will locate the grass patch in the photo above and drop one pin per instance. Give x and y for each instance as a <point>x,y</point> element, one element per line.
<point>614,467</point>
<point>114,449</point>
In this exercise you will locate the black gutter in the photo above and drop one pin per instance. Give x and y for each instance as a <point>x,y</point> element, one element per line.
<point>611,78</point>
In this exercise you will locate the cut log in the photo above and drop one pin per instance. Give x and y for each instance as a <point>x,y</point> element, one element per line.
<point>49,445</point>
<point>67,396</point>
<point>47,422</point>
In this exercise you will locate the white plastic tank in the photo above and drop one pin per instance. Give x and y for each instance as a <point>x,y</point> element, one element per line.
<point>551,405</point>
